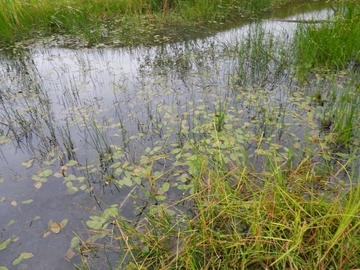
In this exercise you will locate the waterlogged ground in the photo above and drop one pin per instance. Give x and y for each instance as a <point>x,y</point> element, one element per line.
<point>75,121</point>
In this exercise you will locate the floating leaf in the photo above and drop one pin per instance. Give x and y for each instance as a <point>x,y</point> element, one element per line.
<point>46,234</point>
<point>2,199</point>
<point>22,256</point>
<point>27,201</point>
<point>1,180</point>
<point>69,255</point>
<point>3,268</point>
<point>29,163</point>
<point>58,175</point>
<point>55,227</point>
<point>13,203</point>
<point>15,239</point>
<point>75,242</point>
<point>175,151</point>
<point>63,223</point>
<point>5,243</point>
<point>11,222</point>
<point>71,163</point>
<point>118,171</point>
<point>127,181</point>
<point>145,251</point>
<point>38,184</point>
<point>93,224</point>
<point>26,255</point>
<point>46,173</point>
<point>36,218</point>
<point>166,187</point>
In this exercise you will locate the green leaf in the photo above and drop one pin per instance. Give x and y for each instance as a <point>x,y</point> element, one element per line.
<point>5,243</point>
<point>166,187</point>
<point>46,173</point>
<point>75,242</point>
<point>118,171</point>
<point>28,164</point>
<point>17,261</point>
<point>127,181</point>
<point>22,256</point>
<point>3,268</point>
<point>11,222</point>
<point>71,163</point>
<point>94,224</point>
<point>55,227</point>
<point>145,251</point>
<point>160,198</point>
<point>26,255</point>
<point>175,151</point>
<point>2,199</point>
<point>63,223</point>
<point>27,201</point>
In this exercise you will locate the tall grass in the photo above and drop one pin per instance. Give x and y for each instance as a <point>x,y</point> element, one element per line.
<point>96,20</point>
<point>332,44</point>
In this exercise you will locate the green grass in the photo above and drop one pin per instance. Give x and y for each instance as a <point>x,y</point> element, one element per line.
<point>124,22</point>
<point>277,218</point>
<point>332,44</point>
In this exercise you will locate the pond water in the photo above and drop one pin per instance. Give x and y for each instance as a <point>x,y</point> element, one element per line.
<point>63,110</point>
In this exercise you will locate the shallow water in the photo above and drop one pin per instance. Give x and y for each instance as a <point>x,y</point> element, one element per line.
<point>103,97</point>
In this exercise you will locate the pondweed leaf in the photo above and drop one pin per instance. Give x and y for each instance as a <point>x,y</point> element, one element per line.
<point>26,255</point>
<point>75,242</point>
<point>55,227</point>
<point>94,224</point>
<point>71,163</point>
<point>166,187</point>
<point>21,257</point>
<point>2,199</point>
<point>5,243</point>
<point>63,223</point>
<point>15,239</point>
<point>3,268</point>
<point>70,254</point>
<point>175,151</point>
<point>127,181</point>
<point>11,222</point>
<point>118,171</point>
<point>58,175</point>
<point>27,201</point>
<point>29,163</point>
<point>46,234</point>
<point>145,251</point>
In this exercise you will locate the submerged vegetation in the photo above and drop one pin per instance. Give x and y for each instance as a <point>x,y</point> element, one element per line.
<point>223,156</point>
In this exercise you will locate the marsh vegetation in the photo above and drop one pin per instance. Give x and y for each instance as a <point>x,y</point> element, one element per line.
<point>239,151</point>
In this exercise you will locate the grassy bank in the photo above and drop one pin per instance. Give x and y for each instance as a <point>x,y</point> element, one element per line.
<point>119,22</point>
<point>332,44</point>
